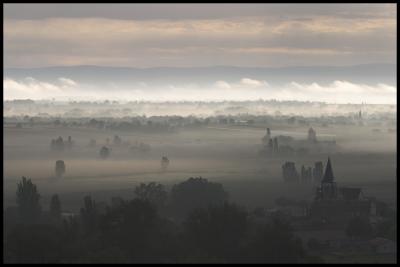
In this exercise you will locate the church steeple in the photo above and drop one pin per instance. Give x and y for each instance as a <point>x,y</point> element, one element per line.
<point>328,176</point>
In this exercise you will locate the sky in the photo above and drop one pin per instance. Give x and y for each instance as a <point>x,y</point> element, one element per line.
<point>200,35</point>
<point>190,35</point>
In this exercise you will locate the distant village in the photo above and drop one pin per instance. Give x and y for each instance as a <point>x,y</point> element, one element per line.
<point>338,218</point>
<point>287,145</point>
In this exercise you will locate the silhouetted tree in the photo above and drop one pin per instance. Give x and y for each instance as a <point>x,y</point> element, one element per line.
<point>28,201</point>
<point>267,137</point>
<point>69,143</point>
<point>55,206</point>
<point>153,192</point>
<point>116,202</point>
<point>130,226</point>
<point>71,228</point>
<point>57,144</point>
<point>37,243</point>
<point>196,193</point>
<point>164,163</point>
<point>134,232</point>
<point>218,230</point>
<point>104,152</point>
<point>117,140</point>
<point>312,136</point>
<point>60,168</point>
<point>274,242</point>
<point>89,215</point>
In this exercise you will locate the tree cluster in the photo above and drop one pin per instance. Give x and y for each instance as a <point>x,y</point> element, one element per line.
<point>145,230</point>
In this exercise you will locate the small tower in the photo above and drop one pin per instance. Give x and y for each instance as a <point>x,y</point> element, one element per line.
<point>328,184</point>
<point>267,137</point>
<point>312,135</point>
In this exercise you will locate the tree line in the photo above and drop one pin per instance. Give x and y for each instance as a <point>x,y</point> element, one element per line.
<point>194,222</point>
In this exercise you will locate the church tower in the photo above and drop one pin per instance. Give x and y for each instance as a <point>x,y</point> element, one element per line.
<point>328,184</point>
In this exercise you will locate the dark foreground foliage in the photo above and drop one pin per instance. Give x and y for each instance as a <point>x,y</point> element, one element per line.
<point>210,229</point>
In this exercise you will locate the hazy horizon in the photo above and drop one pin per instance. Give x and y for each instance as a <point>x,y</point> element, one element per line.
<point>332,53</point>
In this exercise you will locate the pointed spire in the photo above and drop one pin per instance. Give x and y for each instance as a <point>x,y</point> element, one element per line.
<point>328,176</point>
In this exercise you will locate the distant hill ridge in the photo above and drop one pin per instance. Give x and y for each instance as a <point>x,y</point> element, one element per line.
<point>365,73</point>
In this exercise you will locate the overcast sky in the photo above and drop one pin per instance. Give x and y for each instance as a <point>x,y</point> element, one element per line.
<point>188,35</point>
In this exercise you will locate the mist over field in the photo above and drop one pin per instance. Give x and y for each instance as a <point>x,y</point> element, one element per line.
<point>201,133</point>
<point>220,141</point>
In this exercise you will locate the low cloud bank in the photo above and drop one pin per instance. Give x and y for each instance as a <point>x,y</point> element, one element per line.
<point>338,91</point>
